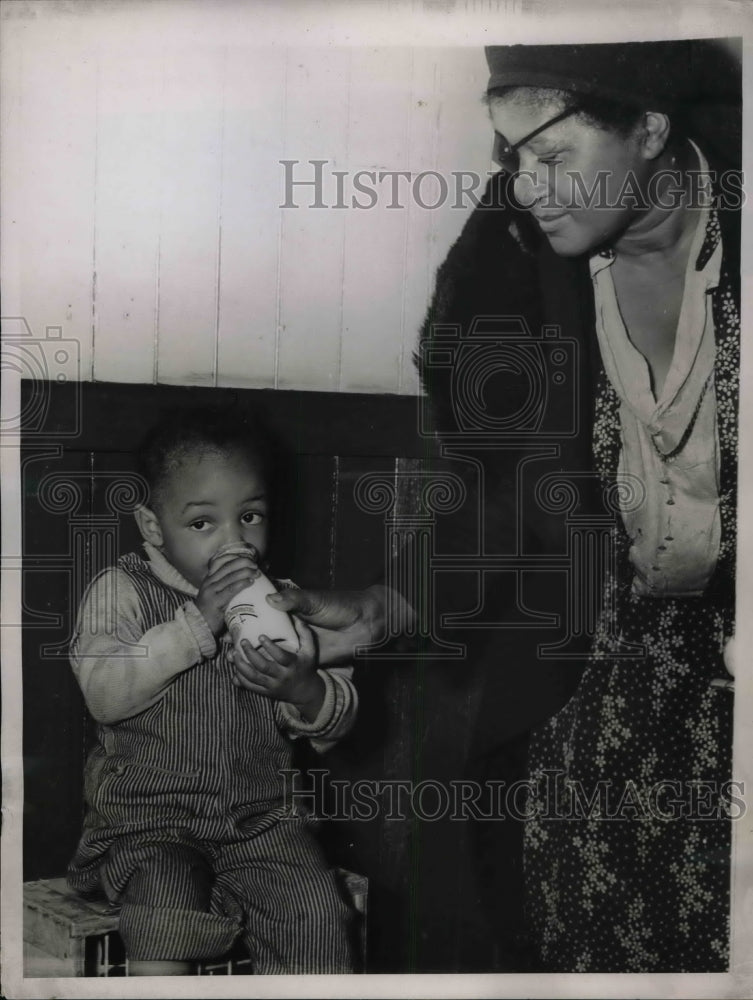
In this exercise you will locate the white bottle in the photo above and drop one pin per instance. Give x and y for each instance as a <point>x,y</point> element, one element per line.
<point>248,616</point>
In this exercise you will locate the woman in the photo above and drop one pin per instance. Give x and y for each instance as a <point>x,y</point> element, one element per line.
<point>615,218</point>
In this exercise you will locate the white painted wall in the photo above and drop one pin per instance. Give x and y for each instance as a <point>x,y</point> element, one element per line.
<point>144,184</point>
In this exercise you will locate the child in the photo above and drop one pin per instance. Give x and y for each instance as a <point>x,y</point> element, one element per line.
<point>186,826</point>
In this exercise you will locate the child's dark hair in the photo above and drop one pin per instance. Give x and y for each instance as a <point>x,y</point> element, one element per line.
<point>191,431</point>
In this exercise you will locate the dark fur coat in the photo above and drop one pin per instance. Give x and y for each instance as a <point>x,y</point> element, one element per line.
<point>501,267</point>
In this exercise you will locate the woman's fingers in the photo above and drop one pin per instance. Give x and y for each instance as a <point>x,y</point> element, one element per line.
<point>333,609</point>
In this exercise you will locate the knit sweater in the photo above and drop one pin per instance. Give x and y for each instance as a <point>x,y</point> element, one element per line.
<point>179,745</point>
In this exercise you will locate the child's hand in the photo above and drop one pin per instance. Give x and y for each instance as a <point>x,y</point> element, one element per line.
<point>227,575</point>
<point>275,673</point>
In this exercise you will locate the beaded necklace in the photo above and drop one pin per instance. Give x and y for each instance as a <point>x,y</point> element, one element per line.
<point>670,455</point>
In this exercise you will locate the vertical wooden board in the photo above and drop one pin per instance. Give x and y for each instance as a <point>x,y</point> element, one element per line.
<point>56,499</point>
<point>53,213</point>
<point>311,265</point>
<point>383,748</point>
<point>449,135</point>
<point>464,138</point>
<point>303,523</point>
<point>373,278</point>
<point>116,488</point>
<point>13,174</point>
<point>190,205</point>
<point>53,709</point>
<point>444,725</point>
<point>418,257</point>
<point>252,192</point>
<point>360,550</point>
<point>419,715</point>
<point>361,539</point>
<point>129,179</point>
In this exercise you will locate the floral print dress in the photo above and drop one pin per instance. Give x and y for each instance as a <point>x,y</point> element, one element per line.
<point>627,844</point>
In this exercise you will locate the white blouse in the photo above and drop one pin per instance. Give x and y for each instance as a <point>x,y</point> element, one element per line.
<point>675,531</point>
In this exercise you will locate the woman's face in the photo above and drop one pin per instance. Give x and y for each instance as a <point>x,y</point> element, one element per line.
<point>575,178</point>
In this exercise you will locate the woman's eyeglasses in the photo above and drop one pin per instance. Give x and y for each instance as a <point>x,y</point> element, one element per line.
<point>507,156</point>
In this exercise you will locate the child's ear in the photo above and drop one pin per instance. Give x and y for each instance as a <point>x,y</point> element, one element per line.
<point>149,526</point>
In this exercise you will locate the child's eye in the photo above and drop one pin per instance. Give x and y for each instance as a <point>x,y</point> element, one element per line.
<point>252,517</point>
<point>199,525</point>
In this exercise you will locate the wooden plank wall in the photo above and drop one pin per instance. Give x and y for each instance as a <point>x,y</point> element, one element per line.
<point>415,719</point>
<point>143,185</point>
<point>143,181</point>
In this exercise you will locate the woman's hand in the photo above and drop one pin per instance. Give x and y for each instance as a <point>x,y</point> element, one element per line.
<point>283,676</point>
<point>342,619</point>
<point>345,619</point>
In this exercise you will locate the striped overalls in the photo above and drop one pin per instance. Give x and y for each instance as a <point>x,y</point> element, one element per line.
<point>187,830</point>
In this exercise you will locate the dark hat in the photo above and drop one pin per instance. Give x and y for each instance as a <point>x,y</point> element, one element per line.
<point>653,75</point>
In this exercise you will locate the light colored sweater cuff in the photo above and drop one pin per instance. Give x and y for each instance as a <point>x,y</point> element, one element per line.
<point>190,616</point>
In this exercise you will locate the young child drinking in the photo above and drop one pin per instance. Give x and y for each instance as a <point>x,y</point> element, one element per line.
<point>186,826</point>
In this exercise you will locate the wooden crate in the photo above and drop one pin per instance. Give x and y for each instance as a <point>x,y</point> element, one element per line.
<point>66,935</point>
<point>57,925</point>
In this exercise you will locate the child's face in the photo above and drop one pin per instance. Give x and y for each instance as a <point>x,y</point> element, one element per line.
<point>209,501</point>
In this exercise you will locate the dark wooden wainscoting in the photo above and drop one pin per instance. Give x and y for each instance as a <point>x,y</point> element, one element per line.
<point>416,715</point>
